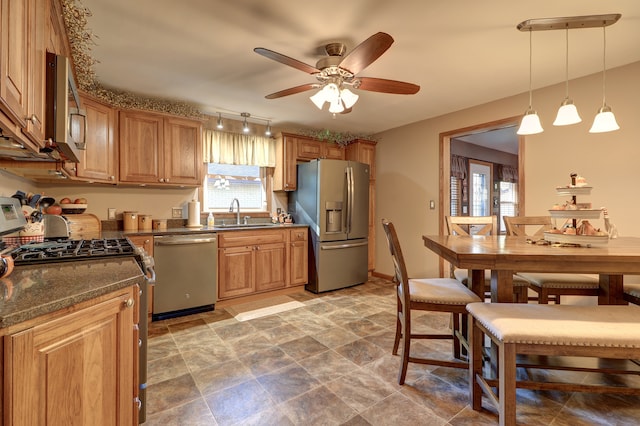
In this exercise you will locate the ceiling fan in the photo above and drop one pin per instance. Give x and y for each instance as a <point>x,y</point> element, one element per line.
<point>337,71</point>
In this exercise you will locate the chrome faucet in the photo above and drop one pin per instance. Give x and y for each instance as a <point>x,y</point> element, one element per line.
<point>235,200</point>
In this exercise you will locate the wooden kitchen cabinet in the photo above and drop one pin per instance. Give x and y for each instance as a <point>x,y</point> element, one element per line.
<point>284,175</point>
<point>157,149</point>
<point>22,68</point>
<point>291,149</point>
<point>364,151</point>
<point>298,256</point>
<point>257,261</point>
<point>76,367</point>
<point>98,161</point>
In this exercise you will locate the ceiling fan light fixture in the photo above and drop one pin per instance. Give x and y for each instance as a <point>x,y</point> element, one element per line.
<point>336,107</point>
<point>318,99</point>
<point>567,114</point>
<point>348,97</point>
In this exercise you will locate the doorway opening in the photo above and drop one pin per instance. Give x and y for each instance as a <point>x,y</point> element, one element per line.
<point>482,172</point>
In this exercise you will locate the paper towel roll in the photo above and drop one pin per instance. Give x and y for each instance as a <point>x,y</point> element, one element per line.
<point>193,214</point>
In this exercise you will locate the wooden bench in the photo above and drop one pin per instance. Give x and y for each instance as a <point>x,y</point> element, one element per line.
<point>603,331</point>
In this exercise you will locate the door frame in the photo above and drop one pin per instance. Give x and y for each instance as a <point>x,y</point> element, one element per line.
<point>445,168</point>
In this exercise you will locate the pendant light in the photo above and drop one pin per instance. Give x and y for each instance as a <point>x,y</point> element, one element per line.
<point>219,124</point>
<point>530,124</point>
<point>568,113</point>
<point>267,132</point>
<point>605,121</point>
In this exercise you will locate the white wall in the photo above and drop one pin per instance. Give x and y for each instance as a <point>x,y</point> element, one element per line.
<point>408,175</point>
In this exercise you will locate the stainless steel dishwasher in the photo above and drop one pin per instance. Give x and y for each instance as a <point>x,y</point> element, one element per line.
<point>186,274</point>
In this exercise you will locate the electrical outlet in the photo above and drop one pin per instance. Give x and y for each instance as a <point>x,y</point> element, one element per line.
<point>176,212</point>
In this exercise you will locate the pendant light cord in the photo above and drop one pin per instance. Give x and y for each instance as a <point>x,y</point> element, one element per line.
<point>567,64</point>
<point>604,63</point>
<point>530,69</point>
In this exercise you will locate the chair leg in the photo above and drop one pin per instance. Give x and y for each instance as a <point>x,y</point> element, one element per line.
<point>405,351</point>
<point>456,340</point>
<point>543,296</point>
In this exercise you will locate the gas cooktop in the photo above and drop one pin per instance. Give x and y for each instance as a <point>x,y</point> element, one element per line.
<point>72,250</point>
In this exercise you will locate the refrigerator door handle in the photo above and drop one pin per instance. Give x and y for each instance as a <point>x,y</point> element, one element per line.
<point>350,200</point>
<point>342,246</point>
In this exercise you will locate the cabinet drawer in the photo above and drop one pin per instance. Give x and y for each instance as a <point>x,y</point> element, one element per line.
<point>298,234</point>
<point>251,238</point>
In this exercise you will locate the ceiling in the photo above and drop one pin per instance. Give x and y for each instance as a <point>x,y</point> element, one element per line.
<point>462,53</point>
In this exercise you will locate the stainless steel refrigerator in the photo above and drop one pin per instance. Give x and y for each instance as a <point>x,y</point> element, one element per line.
<point>332,197</point>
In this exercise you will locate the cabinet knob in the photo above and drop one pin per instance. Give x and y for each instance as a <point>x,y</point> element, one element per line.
<point>166,180</point>
<point>161,180</point>
<point>33,119</point>
<point>129,303</point>
<point>112,178</point>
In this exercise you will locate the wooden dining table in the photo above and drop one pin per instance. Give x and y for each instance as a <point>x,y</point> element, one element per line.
<point>506,255</point>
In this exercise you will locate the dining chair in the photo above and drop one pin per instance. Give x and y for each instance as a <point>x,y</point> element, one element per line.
<point>482,225</point>
<point>546,284</point>
<point>632,289</point>
<point>425,294</point>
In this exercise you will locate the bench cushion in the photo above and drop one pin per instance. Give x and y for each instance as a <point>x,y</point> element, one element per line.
<point>441,290</point>
<point>633,289</point>
<point>614,326</point>
<point>553,280</point>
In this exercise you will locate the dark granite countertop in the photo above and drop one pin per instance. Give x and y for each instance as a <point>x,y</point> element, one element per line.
<point>35,290</point>
<point>204,229</point>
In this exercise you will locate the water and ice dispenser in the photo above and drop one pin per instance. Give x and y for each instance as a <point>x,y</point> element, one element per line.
<point>333,210</point>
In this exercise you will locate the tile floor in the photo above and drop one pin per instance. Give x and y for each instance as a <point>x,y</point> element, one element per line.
<point>330,363</point>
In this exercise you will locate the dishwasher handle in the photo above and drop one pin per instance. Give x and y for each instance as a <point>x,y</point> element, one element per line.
<point>184,241</point>
<point>342,246</point>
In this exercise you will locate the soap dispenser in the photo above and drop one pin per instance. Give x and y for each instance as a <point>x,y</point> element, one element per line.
<point>210,220</point>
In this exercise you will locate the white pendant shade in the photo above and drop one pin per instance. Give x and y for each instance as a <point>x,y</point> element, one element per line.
<point>530,124</point>
<point>339,99</point>
<point>567,114</point>
<point>318,99</point>
<point>605,121</point>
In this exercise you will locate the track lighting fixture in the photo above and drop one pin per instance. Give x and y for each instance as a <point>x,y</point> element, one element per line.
<point>246,128</point>
<point>568,114</point>
<point>245,125</point>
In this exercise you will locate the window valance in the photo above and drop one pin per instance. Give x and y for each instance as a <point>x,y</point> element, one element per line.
<point>235,148</point>
<point>459,167</point>
<point>508,173</point>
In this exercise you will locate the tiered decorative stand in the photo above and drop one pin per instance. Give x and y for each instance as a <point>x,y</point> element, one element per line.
<point>575,215</point>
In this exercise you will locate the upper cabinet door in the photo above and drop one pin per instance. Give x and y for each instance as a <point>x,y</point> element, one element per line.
<point>99,162</point>
<point>141,150</point>
<point>182,151</point>
<point>14,59</point>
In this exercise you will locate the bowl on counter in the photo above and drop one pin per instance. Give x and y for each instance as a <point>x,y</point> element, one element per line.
<point>73,208</point>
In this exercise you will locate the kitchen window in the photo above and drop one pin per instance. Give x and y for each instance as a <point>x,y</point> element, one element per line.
<point>224,182</point>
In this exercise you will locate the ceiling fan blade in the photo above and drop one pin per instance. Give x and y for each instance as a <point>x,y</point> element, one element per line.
<point>387,86</point>
<point>292,90</point>
<point>366,52</point>
<point>283,59</point>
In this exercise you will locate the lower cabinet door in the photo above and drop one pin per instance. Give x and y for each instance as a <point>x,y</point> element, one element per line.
<point>74,370</point>
<point>236,271</point>
<point>270,262</point>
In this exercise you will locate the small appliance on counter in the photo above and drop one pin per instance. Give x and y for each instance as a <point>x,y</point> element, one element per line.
<point>55,227</point>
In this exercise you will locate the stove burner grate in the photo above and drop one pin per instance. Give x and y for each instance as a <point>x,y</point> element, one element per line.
<point>72,250</point>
